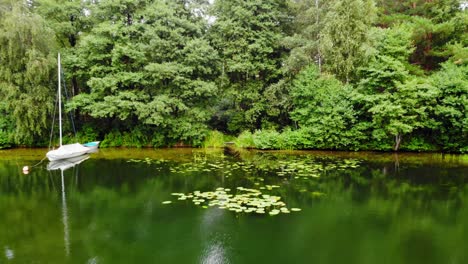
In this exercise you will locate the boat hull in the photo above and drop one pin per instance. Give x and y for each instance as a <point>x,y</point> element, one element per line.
<point>67,152</point>
<point>93,146</point>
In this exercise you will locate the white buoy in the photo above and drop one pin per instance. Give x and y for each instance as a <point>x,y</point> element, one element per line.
<point>25,169</point>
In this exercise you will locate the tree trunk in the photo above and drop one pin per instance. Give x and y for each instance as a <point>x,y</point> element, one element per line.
<point>397,142</point>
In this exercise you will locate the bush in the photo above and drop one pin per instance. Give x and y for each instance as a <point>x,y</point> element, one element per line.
<point>297,139</point>
<point>418,143</point>
<point>158,140</point>
<point>112,139</point>
<point>87,134</point>
<point>266,139</point>
<point>5,141</point>
<point>303,138</point>
<point>134,138</point>
<point>215,139</point>
<point>245,140</point>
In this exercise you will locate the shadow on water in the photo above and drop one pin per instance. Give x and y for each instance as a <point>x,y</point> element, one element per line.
<point>356,208</point>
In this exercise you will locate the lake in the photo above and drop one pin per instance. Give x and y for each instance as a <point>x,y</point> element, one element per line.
<point>227,206</point>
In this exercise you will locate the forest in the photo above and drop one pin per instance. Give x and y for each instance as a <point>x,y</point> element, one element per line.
<point>268,74</point>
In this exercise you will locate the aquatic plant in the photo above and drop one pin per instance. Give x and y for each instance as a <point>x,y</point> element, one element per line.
<point>245,200</point>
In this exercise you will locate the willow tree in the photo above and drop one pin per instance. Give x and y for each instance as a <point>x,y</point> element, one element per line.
<point>27,68</point>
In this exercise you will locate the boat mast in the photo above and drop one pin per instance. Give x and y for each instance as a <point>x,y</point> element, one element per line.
<point>59,101</point>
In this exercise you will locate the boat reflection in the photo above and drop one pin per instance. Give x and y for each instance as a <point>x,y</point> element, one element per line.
<point>63,165</point>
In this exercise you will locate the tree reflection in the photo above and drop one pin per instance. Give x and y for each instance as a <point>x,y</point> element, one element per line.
<point>113,213</point>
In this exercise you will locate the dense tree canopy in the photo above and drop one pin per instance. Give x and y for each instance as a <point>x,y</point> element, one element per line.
<point>337,74</point>
<point>345,36</point>
<point>148,64</point>
<point>247,35</point>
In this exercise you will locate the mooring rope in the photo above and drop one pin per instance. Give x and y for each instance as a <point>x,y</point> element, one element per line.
<point>38,162</point>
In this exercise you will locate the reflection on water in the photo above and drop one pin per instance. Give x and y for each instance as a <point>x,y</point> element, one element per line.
<point>63,165</point>
<point>213,237</point>
<point>66,233</point>
<point>214,254</point>
<point>356,208</point>
<point>9,254</point>
<point>94,260</point>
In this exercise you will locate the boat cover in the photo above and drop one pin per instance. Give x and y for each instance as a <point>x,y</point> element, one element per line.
<point>67,151</point>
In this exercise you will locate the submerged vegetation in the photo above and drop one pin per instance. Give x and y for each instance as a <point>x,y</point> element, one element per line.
<point>274,74</point>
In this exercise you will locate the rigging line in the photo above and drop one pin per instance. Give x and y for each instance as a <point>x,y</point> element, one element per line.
<point>53,121</point>
<point>66,95</point>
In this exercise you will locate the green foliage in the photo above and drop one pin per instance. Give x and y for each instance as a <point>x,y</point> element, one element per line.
<point>87,134</point>
<point>418,143</point>
<point>397,103</point>
<point>304,40</point>
<point>165,73</point>
<point>214,139</point>
<point>134,138</point>
<point>344,38</point>
<point>388,65</point>
<point>323,106</point>
<point>451,112</point>
<point>401,104</point>
<point>6,127</point>
<point>247,36</point>
<point>26,71</point>
<point>439,28</point>
<point>245,140</point>
<point>5,141</point>
<point>67,18</point>
<point>158,140</point>
<point>147,63</point>
<point>297,139</point>
<point>266,139</point>
<point>303,138</point>
<point>404,110</point>
<point>112,139</point>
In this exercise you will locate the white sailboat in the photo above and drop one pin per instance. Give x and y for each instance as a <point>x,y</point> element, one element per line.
<point>69,150</point>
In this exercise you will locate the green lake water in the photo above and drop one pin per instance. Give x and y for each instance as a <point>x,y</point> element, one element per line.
<point>122,206</point>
